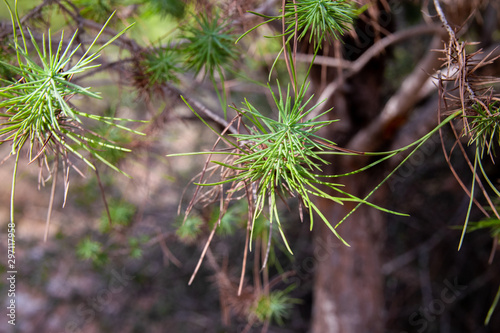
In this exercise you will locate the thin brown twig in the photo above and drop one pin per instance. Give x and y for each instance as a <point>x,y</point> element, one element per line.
<point>103,195</point>
<point>399,105</point>
<point>247,239</point>
<point>202,175</point>
<point>201,108</point>
<point>353,67</point>
<point>203,253</point>
<point>455,174</point>
<point>478,180</point>
<point>445,153</point>
<point>428,64</point>
<point>443,19</point>
<point>167,253</point>
<point>256,261</point>
<point>51,200</point>
<point>268,247</point>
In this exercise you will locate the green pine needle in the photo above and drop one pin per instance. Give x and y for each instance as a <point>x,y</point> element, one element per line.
<point>279,159</point>
<point>35,107</point>
<point>485,127</point>
<point>210,45</point>
<point>320,18</point>
<point>162,64</point>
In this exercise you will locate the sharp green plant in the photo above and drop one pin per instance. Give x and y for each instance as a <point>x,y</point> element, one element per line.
<point>484,127</point>
<point>493,224</point>
<point>282,158</point>
<point>37,112</point>
<point>482,130</point>
<point>492,308</point>
<point>210,45</point>
<point>279,159</point>
<point>320,18</point>
<point>478,105</point>
<point>270,159</point>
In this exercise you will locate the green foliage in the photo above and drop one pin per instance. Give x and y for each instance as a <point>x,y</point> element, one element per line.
<point>231,220</point>
<point>210,45</point>
<point>281,158</point>
<point>121,213</point>
<point>36,107</point>
<point>270,159</point>
<point>37,110</point>
<point>492,308</point>
<point>96,10</point>
<point>320,18</point>
<point>135,244</point>
<point>189,228</point>
<point>234,218</point>
<point>275,307</point>
<point>176,8</point>
<point>111,134</point>
<point>484,127</point>
<point>88,249</point>
<point>492,224</point>
<point>162,64</point>
<point>6,74</point>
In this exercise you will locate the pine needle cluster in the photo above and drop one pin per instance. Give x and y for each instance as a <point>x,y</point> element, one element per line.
<point>36,108</point>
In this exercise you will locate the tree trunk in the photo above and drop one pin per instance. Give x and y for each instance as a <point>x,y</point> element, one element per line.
<point>348,294</point>
<point>348,288</point>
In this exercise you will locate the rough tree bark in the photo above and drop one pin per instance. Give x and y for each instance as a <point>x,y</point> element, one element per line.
<point>348,292</point>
